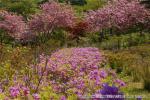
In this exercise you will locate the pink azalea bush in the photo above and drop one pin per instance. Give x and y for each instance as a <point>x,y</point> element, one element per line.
<point>118,14</point>
<point>72,68</point>
<point>13,24</point>
<point>66,72</point>
<point>75,70</point>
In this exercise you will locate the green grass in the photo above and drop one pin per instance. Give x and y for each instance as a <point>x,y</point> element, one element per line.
<point>132,65</point>
<point>136,89</point>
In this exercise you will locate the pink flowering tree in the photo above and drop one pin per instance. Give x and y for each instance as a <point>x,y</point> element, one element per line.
<point>53,16</point>
<point>13,24</point>
<point>120,15</point>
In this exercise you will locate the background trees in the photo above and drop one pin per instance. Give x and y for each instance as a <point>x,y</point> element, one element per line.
<point>45,22</point>
<point>120,15</point>
<point>23,7</point>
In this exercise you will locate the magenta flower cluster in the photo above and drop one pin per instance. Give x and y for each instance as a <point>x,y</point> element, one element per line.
<point>75,69</point>
<point>36,96</point>
<point>67,71</point>
<point>18,90</point>
<point>14,91</point>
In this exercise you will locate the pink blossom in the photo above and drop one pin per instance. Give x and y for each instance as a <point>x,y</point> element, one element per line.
<point>120,82</point>
<point>36,96</point>
<point>14,91</point>
<point>63,98</point>
<point>26,91</point>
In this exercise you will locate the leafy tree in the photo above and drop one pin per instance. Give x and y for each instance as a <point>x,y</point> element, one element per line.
<point>23,7</point>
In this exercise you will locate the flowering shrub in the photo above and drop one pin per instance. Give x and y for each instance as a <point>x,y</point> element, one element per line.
<point>13,24</point>
<point>75,70</point>
<point>119,15</point>
<point>67,73</point>
<point>72,67</point>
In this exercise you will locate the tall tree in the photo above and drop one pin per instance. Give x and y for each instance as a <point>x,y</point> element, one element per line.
<point>53,15</point>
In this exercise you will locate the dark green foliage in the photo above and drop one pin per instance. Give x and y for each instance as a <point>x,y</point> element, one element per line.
<point>74,2</point>
<point>42,1</point>
<point>147,85</point>
<point>4,38</point>
<point>78,2</point>
<point>62,1</point>
<point>147,2</point>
